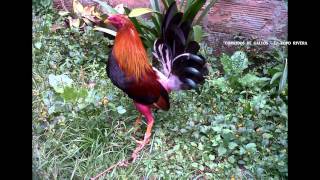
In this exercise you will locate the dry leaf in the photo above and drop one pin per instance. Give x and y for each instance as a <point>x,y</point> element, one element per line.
<point>97,15</point>
<point>77,7</point>
<point>74,22</point>
<point>88,11</point>
<point>63,13</point>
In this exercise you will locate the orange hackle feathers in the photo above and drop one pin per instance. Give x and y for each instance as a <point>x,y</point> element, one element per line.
<point>131,58</point>
<point>130,52</point>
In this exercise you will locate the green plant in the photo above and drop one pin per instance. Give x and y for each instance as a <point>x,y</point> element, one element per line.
<point>150,29</point>
<point>280,71</point>
<point>42,6</point>
<point>81,123</point>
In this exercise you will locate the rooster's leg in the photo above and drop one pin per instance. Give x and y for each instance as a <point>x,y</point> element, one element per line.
<point>146,111</point>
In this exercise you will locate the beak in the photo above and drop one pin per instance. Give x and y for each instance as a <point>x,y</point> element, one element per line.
<point>106,21</point>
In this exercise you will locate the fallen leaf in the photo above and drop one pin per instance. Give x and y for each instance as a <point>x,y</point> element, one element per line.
<point>77,7</point>
<point>63,13</point>
<point>74,22</point>
<point>88,10</point>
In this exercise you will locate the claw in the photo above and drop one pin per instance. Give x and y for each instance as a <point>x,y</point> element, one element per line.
<point>141,145</point>
<point>141,142</point>
<point>137,141</point>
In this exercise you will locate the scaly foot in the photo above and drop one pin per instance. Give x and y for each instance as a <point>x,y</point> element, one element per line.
<point>141,145</point>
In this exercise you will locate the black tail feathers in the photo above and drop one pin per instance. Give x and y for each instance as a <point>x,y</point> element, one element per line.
<point>179,57</point>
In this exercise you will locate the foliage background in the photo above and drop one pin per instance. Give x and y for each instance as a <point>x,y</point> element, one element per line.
<point>235,128</point>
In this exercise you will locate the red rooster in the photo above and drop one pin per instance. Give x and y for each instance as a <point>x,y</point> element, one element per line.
<point>129,69</point>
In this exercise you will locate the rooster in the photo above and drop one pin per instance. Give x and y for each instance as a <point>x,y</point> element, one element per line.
<point>129,69</point>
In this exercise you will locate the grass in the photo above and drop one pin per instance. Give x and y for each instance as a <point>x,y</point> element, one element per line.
<point>228,131</point>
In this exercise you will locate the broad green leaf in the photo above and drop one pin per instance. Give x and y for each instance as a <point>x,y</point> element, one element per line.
<point>82,105</point>
<point>93,97</point>
<point>52,102</point>
<point>176,147</point>
<point>241,162</point>
<point>251,146</point>
<point>260,171</point>
<point>134,21</point>
<point>170,2</point>
<point>242,151</point>
<point>201,168</point>
<point>105,30</point>
<point>51,109</point>
<point>194,164</point>
<point>239,61</point>
<point>193,10</point>
<point>283,80</point>
<point>220,83</point>
<point>232,145</point>
<point>48,98</point>
<point>38,45</point>
<point>45,3</point>
<point>165,4</point>
<point>217,129</point>
<point>221,150</point>
<point>59,82</point>
<point>106,7</point>
<point>200,146</point>
<point>227,135</point>
<point>69,94</point>
<point>235,64</point>
<point>189,2</point>
<point>251,81</point>
<point>139,11</point>
<point>275,77</point>
<point>231,159</point>
<point>83,93</point>
<point>212,157</point>
<point>197,33</point>
<point>156,21</point>
<point>214,143</point>
<point>155,5</point>
<point>267,135</point>
<point>258,102</point>
<point>226,63</point>
<point>284,110</point>
<point>121,110</point>
<point>205,11</point>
